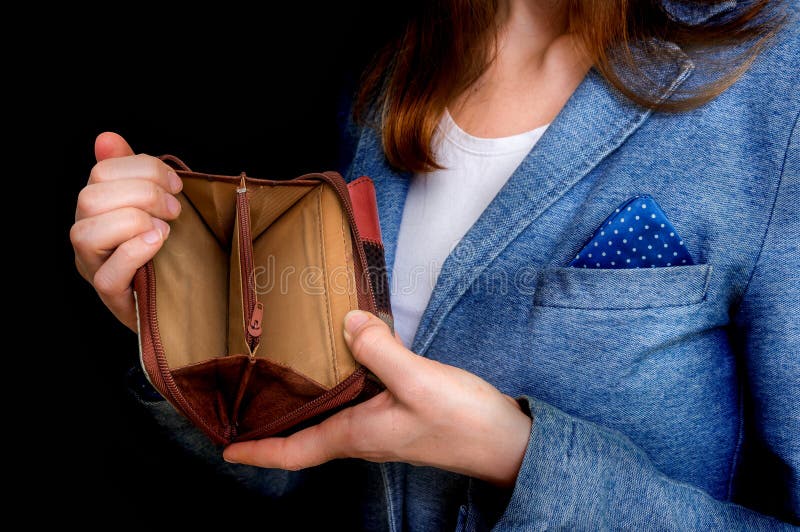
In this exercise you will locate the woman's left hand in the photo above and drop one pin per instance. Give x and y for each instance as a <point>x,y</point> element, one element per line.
<point>430,414</point>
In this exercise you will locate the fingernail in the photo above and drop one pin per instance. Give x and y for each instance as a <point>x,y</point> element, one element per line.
<point>225,457</point>
<point>354,319</point>
<point>175,182</point>
<point>162,226</point>
<point>153,236</point>
<point>173,205</point>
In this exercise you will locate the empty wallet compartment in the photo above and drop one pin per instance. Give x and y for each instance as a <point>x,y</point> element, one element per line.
<point>241,311</point>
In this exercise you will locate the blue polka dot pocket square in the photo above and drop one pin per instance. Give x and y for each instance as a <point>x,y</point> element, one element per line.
<point>636,235</point>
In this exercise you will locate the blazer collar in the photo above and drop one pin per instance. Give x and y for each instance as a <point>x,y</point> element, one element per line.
<point>693,13</point>
<point>593,123</point>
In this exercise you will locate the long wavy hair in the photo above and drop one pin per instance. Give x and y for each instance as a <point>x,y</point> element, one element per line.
<point>446,45</point>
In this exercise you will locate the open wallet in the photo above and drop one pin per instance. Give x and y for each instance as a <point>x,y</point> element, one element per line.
<point>241,312</point>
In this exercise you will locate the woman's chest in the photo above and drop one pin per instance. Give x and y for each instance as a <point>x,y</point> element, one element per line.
<point>642,350</point>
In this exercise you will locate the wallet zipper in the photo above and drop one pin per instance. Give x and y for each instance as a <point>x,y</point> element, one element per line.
<point>340,187</point>
<point>254,310</point>
<point>340,393</point>
<point>335,397</point>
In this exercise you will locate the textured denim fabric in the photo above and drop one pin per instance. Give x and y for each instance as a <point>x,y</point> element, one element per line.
<point>664,398</point>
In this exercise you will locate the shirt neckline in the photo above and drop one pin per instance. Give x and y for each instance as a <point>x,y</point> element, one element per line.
<point>485,145</point>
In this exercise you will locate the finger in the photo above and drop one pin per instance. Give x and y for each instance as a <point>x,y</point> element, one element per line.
<point>110,145</point>
<point>96,237</point>
<point>113,279</point>
<point>139,166</point>
<point>373,345</point>
<point>307,448</point>
<point>107,196</point>
<point>123,307</point>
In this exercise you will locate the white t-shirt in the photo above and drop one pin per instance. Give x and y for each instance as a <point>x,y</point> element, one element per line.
<point>442,205</point>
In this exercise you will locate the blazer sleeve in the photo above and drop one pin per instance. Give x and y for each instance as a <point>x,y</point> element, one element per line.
<point>578,475</point>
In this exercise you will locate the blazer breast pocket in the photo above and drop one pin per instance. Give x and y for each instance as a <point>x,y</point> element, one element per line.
<point>627,288</point>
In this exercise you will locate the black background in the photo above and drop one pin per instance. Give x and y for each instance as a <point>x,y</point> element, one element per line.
<point>229,92</point>
<point>226,90</point>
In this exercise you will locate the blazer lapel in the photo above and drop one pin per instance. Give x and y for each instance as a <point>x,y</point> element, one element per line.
<point>593,123</point>
<point>391,188</point>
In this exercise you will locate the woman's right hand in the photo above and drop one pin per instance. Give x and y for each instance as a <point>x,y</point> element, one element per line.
<point>120,220</point>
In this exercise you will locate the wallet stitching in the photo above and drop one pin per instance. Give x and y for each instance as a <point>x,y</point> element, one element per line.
<point>325,292</point>
<point>344,244</point>
<point>359,181</point>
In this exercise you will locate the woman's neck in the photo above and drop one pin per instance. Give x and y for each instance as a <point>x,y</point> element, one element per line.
<point>535,69</point>
<point>529,27</point>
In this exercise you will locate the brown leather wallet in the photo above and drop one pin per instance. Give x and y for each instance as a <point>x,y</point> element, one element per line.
<point>241,311</point>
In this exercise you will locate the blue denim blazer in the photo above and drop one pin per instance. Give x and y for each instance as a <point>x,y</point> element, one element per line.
<point>662,398</point>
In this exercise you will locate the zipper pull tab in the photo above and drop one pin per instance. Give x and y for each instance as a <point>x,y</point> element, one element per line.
<point>254,327</point>
<point>242,184</point>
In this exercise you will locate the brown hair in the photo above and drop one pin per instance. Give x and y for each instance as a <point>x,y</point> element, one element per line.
<point>445,47</point>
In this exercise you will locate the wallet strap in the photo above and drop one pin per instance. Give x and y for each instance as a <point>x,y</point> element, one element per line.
<point>175,162</point>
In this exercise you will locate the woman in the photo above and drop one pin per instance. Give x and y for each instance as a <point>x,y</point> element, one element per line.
<point>654,361</point>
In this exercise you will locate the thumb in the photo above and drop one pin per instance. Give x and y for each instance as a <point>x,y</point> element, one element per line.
<point>109,145</point>
<point>374,346</point>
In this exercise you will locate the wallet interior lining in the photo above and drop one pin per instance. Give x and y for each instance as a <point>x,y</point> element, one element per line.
<point>305,290</point>
<point>199,289</point>
<point>191,271</point>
